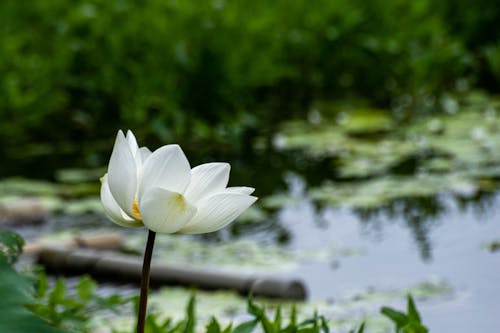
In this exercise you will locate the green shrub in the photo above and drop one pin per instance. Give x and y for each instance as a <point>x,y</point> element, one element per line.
<point>75,71</point>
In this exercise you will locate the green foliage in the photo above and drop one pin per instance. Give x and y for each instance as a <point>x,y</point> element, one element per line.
<point>16,291</point>
<point>11,246</point>
<point>409,322</point>
<point>276,324</point>
<point>184,71</point>
<point>71,308</point>
<point>214,327</point>
<point>361,329</point>
<point>260,317</point>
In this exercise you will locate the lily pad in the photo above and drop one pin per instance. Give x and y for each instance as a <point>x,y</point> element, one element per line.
<point>456,152</point>
<point>83,205</point>
<point>366,122</point>
<point>383,190</point>
<point>492,246</point>
<point>74,176</point>
<point>39,188</point>
<point>245,255</point>
<point>22,186</point>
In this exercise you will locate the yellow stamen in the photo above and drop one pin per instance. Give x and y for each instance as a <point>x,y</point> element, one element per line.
<point>180,202</point>
<point>135,210</point>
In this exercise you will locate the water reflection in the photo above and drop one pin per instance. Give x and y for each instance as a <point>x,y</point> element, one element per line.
<point>288,179</point>
<point>418,214</point>
<point>443,228</point>
<point>293,176</point>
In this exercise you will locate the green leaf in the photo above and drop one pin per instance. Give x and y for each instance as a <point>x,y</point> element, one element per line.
<point>307,322</point>
<point>58,293</point>
<point>15,291</point>
<point>291,328</point>
<point>277,318</point>
<point>85,288</point>
<point>166,324</point>
<point>293,315</point>
<point>191,315</point>
<point>151,324</point>
<point>11,246</point>
<point>42,285</point>
<point>413,315</point>
<point>407,323</point>
<point>361,328</point>
<point>398,318</point>
<point>415,328</point>
<point>324,325</point>
<point>177,328</point>
<point>246,327</point>
<point>315,324</point>
<point>254,309</point>
<point>213,326</point>
<point>267,325</point>
<point>228,328</point>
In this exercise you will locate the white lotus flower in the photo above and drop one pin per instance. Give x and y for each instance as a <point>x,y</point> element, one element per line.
<point>160,190</point>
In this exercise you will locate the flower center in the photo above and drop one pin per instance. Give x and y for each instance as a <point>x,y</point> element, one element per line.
<point>135,210</point>
<point>180,203</point>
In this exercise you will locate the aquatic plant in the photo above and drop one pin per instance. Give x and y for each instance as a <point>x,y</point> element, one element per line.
<point>160,191</point>
<point>15,290</point>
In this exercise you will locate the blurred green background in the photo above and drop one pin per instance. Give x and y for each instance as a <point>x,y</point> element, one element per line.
<point>224,72</point>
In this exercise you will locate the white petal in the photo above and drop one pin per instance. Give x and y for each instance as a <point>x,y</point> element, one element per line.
<point>217,211</point>
<point>111,208</point>
<point>140,158</point>
<point>168,168</point>
<point>132,142</point>
<point>122,174</point>
<point>240,189</point>
<point>165,211</point>
<point>144,153</point>
<point>134,148</point>
<point>207,179</point>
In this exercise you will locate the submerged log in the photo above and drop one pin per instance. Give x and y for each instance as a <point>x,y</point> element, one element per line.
<point>117,267</point>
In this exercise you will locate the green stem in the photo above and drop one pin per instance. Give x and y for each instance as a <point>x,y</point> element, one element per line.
<point>146,268</point>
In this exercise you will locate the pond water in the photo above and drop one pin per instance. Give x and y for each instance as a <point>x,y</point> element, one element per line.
<point>393,258</point>
<point>353,261</point>
<point>362,213</point>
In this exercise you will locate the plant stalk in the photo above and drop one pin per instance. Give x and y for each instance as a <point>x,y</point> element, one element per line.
<point>146,268</point>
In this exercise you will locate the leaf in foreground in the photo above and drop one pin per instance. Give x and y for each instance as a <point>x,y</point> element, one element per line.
<point>15,293</point>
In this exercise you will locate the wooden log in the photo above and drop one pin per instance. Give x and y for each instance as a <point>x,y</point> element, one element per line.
<point>23,211</point>
<point>294,289</point>
<point>115,267</point>
<point>107,241</point>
